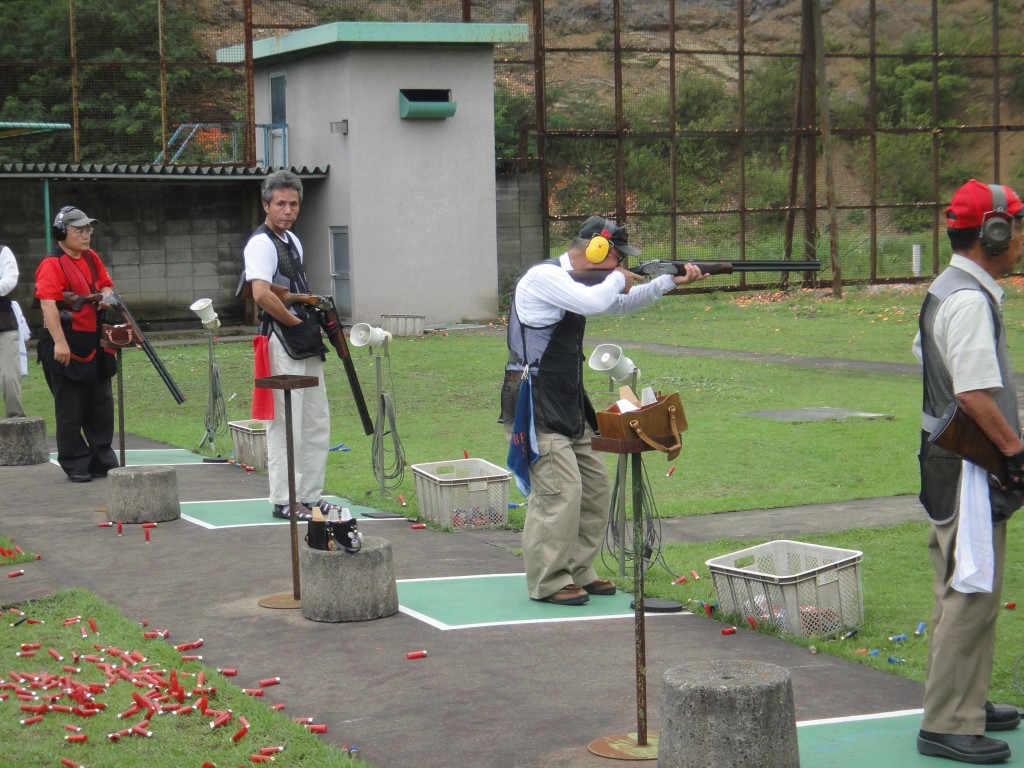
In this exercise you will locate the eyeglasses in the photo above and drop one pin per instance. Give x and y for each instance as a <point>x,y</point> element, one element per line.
<point>86,230</point>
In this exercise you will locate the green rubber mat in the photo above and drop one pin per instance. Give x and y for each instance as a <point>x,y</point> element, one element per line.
<point>151,456</point>
<point>480,601</point>
<point>236,513</point>
<point>878,741</point>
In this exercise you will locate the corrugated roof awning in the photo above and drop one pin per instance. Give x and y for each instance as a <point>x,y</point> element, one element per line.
<point>77,171</point>
<point>8,128</point>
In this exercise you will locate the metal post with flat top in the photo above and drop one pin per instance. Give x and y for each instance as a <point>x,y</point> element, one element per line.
<point>640,745</point>
<point>288,382</point>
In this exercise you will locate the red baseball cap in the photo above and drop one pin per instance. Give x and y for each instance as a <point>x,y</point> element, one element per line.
<point>973,200</point>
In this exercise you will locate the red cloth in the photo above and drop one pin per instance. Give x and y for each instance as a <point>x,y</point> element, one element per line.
<point>262,398</point>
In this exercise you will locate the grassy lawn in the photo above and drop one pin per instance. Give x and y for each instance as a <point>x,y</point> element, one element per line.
<point>444,387</point>
<point>84,684</point>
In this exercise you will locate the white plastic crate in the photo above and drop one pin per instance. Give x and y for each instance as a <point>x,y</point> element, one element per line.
<point>799,588</point>
<point>249,439</point>
<point>470,493</point>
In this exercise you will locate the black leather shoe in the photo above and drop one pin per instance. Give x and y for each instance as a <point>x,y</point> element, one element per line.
<point>1001,717</point>
<point>979,750</point>
<point>79,476</point>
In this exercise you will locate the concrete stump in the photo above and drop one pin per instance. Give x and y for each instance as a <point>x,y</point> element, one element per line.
<point>341,586</point>
<point>143,495</point>
<point>728,713</point>
<point>23,441</point>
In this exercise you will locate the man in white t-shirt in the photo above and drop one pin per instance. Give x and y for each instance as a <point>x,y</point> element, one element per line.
<point>274,268</point>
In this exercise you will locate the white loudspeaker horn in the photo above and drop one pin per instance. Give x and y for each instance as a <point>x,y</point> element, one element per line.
<point>204,308</point>
<point>608,358</point>
<point>363,334</point>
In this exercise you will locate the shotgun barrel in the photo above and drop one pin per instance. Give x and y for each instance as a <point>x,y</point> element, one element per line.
<point>122,309</point>
<point>667,267</point>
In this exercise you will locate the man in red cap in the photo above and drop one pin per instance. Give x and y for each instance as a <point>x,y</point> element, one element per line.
<point>963,352</point>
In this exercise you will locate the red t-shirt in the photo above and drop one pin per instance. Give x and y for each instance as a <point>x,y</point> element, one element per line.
<point>51,280</point>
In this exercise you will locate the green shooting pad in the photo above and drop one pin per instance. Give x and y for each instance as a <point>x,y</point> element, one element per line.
<point>234,513</point>
<point>884,741</point>
<point>462,602</point>
<point>148,457</point>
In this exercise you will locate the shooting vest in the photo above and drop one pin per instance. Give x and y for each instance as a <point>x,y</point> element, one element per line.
<point>940,469</point>
<point>938,383</point>
<point>555,356</point>
<point>81,329</point>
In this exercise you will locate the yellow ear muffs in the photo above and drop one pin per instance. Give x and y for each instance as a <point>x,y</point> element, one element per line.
<point>598,247</point>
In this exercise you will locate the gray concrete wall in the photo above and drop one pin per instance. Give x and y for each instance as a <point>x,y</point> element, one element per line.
<point>165,243</point>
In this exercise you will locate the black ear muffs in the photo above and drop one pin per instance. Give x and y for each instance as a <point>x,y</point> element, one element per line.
<point>600,245</point>
<point>59,228</point>
<point>996,225</point>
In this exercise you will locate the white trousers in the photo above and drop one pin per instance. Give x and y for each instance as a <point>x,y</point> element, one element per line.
<point>311,430</point>
<point>10,373</point>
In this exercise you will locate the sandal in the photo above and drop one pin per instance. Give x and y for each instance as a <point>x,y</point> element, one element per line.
<point>282,512</point>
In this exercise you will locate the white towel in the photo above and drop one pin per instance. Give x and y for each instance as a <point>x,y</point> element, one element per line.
<point>23,336</point>
<point>975,559</point>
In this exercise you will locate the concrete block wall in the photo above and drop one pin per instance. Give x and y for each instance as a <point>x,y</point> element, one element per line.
<point>520,227</point>
<point>164,244</point>
<point>169,243</point>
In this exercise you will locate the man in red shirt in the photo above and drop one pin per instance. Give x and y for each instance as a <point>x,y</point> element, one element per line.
<point>77,369</point>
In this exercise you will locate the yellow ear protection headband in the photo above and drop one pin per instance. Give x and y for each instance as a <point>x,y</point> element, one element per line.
<point>996,225</point>
<point>599,245</point>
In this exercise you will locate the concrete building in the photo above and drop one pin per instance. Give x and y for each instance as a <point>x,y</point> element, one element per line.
<point>402,116</point>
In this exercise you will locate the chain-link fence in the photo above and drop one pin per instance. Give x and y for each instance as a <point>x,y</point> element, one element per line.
<point>699,123</point>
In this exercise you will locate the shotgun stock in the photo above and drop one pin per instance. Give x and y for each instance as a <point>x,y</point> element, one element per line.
<point>332,326</point>
<point>117,304</point>
<point>74,301</point>
<point>960,434</point>
<point>667,267</point>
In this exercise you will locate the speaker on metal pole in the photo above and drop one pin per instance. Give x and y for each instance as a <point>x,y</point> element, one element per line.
<point>364,334</point>
<point>609,359</point>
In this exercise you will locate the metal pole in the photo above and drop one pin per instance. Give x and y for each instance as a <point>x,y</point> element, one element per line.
<point>380,427</point>
<point>638,600</point>
<point>163,80</point>
<point>120,405</point>
<point>74,82</point>
<point>249,138</point>
<point>620,502</point>
<point>292,503</point>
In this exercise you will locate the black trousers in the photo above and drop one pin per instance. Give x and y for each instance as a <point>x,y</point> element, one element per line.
<point>84,412</point>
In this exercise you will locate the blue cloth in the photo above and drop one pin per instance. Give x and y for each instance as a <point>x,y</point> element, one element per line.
<point>522,448</point>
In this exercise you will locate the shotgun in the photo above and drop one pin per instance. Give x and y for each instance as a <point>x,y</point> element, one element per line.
<point>332,326</point>
<point>667,267</point>
<point>960,434</point>
<point>115,302</point>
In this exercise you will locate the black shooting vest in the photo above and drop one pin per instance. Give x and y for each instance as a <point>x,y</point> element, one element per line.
<point>940,469</point>
<point>555,356</point>
<point>289,270</point>
<point>938,382</point>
